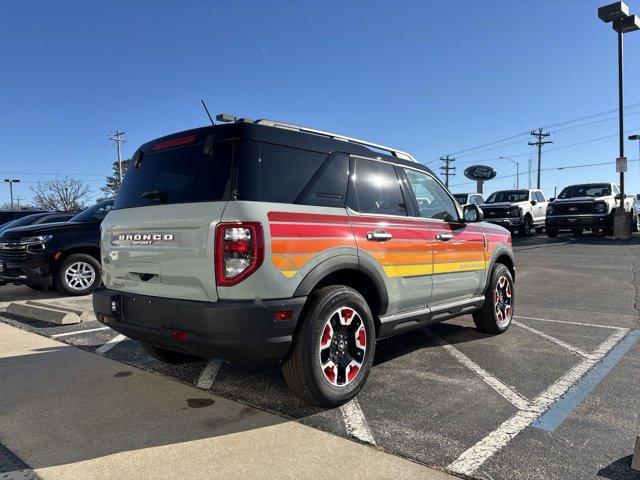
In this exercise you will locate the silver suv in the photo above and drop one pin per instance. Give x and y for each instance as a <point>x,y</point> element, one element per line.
<point>264,242</point>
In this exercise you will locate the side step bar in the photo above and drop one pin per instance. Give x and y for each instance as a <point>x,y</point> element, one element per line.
<point>401,322</point>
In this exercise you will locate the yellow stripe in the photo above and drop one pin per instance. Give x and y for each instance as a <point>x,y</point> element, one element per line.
<point>288,273</point>
<point>430,269</point>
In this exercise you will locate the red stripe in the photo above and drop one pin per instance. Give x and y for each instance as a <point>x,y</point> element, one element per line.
<point>302,230</point>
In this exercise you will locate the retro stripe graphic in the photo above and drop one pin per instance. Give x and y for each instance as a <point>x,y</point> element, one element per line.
<point>297,238</point>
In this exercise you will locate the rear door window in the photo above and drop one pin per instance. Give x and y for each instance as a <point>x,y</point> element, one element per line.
<point>274,173</point>
<point>191,173</point>
<point>377,188</point>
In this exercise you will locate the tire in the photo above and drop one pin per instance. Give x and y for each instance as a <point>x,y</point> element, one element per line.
<point>78,274</point>
<point>635,227</point>
<point>527,227</point>
<point>312,369</point>
<point>552,232</point>
<point>577,231</point>
<point>496,317</point>
<point>168,356</point>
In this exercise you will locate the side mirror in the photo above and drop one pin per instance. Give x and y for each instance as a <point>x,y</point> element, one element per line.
<point>534,203</point>
<point>472,213</point>
<point>552,199</point>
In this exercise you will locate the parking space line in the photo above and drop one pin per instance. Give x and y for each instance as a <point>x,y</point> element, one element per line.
<point>553,417</point>
<point>611,327</point>
<point>110,344</point>
<point>471,459</point>
<point>507,392</point>
<point>77,332</point>
<point>555,340</point>
<point>208,375</point>
<point>355,422</point>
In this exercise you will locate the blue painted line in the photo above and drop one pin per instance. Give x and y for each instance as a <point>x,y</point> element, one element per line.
<point>561,409</point>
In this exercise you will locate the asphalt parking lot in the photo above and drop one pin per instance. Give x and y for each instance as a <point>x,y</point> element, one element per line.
<point>557,396</point>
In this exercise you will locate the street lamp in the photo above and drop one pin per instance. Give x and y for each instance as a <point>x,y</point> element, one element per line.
<point>618,15</point>
<point>11,182</point>
<point>636,137</point>
<point>517,171</point>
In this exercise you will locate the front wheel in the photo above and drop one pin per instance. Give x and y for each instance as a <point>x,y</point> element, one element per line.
<point>527,227</point>
<point>79,274</point>
<point>333,351</point>
<point>497,312</point>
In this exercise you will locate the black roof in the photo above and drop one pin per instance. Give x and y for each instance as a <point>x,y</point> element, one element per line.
<point>283,136</point>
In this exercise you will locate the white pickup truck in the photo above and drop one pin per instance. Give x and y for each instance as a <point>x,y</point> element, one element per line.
<point>517,210</point>
<point>587,206</point>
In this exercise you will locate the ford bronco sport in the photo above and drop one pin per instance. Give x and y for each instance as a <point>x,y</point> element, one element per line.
<point>264,242</point>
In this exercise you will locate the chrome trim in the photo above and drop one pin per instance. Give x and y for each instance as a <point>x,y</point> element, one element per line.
<point>289,126</point>
<point>579,215</point>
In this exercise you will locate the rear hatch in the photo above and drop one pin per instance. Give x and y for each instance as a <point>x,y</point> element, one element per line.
<point>159,238</point>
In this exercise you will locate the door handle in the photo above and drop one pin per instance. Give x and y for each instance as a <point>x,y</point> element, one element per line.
<point>444,237</point>
<point>379,236</point>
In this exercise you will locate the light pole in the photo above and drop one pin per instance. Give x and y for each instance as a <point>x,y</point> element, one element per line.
<point>636,137</point>
<point>11,181</point>
<point>618,14</point>
<point>517,171</point>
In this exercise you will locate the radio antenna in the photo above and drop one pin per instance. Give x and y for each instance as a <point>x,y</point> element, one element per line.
<point>207,110</point>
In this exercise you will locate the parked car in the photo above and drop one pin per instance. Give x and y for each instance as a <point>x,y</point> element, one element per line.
<point>7,216</point>
<point>37,219</point>
<point>469,198</point>
<point>587,206</point>
<point>64,255</point>
<point>275,242</point>
<point>523,211</point>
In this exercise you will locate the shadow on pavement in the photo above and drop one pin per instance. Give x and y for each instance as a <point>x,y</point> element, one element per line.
<point>620,470</point>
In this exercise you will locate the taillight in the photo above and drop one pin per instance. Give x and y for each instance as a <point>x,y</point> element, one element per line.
<point>239,251</point>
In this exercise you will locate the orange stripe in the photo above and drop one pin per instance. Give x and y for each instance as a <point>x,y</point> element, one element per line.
<point>294,262</point>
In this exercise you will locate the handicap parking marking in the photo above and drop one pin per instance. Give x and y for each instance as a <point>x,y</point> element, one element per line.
<point>110,344</point>
<point>554,417</point>
<point>355,422</point>
<point>505,391</point>
<point>475,456</point>
<point>208,375</point>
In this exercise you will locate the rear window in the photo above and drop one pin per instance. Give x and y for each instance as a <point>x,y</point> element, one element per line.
<point>192,173</point>
<point>274,173</point>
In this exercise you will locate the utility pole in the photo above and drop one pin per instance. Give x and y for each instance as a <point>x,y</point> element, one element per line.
<point>539,143</point>
<point>18,201</point>
<point>447,169</point>
<point>529,174</point>
<point>119,140</point>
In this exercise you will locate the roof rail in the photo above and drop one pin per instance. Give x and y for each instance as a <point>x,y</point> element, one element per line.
<point>394,152</point>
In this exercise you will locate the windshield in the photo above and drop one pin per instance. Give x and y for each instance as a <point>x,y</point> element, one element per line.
<point>95,213</point>
<point>587,190</point>
<point>461,198</point>
<point>21,222</point>
<point>509,196</point>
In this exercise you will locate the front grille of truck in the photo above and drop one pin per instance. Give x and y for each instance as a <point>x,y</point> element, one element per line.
<point>573,208</point>
<point>495,212</point>
<point>12,252</point>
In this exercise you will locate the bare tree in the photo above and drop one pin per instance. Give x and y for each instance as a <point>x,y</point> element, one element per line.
<point>63,194</point>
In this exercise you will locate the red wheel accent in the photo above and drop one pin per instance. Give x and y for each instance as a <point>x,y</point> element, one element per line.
<point>327,335</point>
<point>361,337</point>
<point>352,372</point>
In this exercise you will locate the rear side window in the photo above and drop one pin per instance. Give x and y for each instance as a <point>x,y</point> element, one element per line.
<point>193,173</point>
<point>377,189</point>
<point>274,173</point>
<point>328,187</point>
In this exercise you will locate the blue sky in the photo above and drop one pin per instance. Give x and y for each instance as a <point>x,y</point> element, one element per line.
<point>428,77</point>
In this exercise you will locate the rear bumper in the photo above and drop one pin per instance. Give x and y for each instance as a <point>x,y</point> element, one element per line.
<point>237,331</point>
<point>568,222</point>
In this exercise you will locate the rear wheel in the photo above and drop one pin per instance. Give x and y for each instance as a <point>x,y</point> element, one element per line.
<point>333,351</point>
<point>168,356</point>
<point>79,274</point>
<point>497,312</point>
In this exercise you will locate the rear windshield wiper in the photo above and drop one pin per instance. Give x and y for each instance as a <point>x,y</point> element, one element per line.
<point>158,193</point>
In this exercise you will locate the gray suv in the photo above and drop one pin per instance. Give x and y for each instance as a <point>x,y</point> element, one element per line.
<point>269,242</point>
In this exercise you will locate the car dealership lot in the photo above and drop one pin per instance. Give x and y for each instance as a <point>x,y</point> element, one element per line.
<point>454,398</point>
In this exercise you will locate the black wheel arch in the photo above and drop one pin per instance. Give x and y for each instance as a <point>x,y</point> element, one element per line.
<point>504,256</point>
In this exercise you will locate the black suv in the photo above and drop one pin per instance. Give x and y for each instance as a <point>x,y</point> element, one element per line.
<point>65,255</point>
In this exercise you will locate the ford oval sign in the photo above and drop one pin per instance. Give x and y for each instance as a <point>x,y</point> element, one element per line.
<point>480,172</point>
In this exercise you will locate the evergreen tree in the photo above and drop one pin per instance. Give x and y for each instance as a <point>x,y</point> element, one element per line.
<point>111,188</point>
